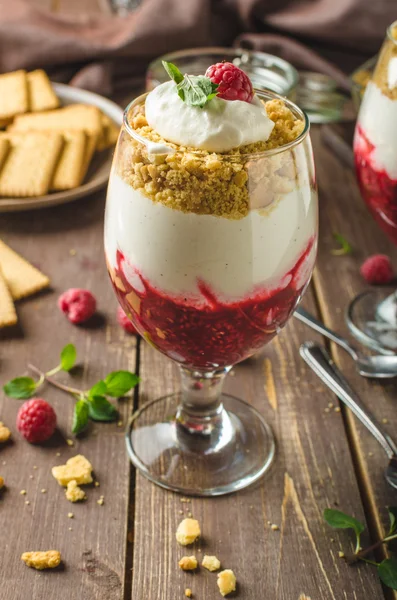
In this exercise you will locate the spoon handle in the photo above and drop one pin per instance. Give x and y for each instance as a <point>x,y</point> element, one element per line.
<point>312,322</point>
<point>319,360</point>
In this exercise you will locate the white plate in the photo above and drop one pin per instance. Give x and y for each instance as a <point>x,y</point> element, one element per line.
<point>98,173</point>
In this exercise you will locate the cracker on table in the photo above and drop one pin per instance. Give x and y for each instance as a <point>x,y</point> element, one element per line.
<point>91,145</point>
<point>75,116</point>
<point>68,173</point>
<point>109,135</point>
<point>22,278</point>
<point>30,163</point>
<point>41,93</point>
<point>14,97</point>
<point>4,147</point>
<point>8,315</point>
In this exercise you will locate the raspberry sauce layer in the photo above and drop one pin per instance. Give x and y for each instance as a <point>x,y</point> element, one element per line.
<point>378,189</point>
<point>209,333</point>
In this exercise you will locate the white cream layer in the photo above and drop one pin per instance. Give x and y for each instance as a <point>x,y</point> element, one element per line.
<point>220,126</point>
<point>378,119</point>
<point>172,249</point>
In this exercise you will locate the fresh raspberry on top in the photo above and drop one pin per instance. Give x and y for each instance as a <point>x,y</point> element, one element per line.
<point>377,269</point>
<point>79,305</point>
<point>124,321</point>
<point>234,84</point>
<point>36,420</point>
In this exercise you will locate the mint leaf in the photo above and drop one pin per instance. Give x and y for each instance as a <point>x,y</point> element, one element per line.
<point>118,383</point>
<point>173,71</point>
<point>345,247</point>
<point>100,409</point>
<point>339,520</point>
<point>80,416</point>
<point>196,90</point>
<point>99,389</point>
<point>68,357</point>
<point>387,571</point>
<point>392,510</point>
<point>20,388</point>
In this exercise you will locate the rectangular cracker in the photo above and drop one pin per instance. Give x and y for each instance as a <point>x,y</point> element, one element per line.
<point>30,164</point>
<point>68,173</point>
<point>8,315</point>
<point>92,142</point>
<point>13,94</point>
<point>22,278</point>
<point>76,116</point>
<point>110,133</point>
<point>4,147</point>
<point>41,93</point>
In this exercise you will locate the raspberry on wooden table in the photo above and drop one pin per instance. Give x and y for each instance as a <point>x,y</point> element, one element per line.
<point>124,321</point>
<point>233,83</point>
<point>377,269</point>
<point>36,420</point>
<point>78,304</point>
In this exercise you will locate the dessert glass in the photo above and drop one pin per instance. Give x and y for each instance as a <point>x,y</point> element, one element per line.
<point>209,255</point>
<point>372,316</point>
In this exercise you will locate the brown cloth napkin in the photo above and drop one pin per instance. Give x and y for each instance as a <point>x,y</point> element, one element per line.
<point>104,53</point>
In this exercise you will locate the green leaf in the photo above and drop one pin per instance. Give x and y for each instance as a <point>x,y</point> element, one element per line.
<point>20,388</point>
<point>118,383</point>
<point>339,520</point>
<point>100,409</point>
<point>80,416</point>
<point>99,389</point>
<point>387,571</point>
<point>392,510</point>
<point>173,71</point>
<point>345,247</point>
<point>196,90</point>
<point>68,357</point>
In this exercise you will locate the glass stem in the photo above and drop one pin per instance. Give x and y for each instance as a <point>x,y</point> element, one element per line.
<point>201,408</point>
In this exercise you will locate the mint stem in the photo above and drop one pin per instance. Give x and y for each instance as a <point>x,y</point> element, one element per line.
<point>64,388</point>
<point>53,371</point>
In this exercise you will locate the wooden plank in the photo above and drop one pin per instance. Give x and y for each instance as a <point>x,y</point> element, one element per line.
<point>343,211</point>
<point>312,471</point>
<point>94,552</point>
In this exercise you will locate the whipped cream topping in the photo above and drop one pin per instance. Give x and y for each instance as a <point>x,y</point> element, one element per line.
<point>218,127</point>
<point>392,73</point>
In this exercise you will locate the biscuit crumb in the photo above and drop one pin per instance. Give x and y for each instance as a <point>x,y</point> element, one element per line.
<point>42,560</point>
<point>188,593</point>
<point>77,468</point>
<point>274,527</point>
<point>101,501</point>
<point>27,501</point>
<point>5,433</point>
<point>23,492</point>
<point>71,515</point>
<point>70,442</point>
<point>212,563</point>
<point>188,563</point>
<point>188,531</point>
<point>119,423</point>
<point>385,421</point>
<point>341,554</point>
<point>58,454</point>
<point>226,582</point>
<point>337,409</point>
<point>97,484</point>
<point>35,467</point>
<point>74,493</point>
<point>43,491</point>
<point>70,528</point>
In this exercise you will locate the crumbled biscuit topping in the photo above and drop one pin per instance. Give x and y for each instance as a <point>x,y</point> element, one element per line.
<point>380,76</point>
<point>223,184</point>
<point>73,492</point>
<point>188,563</point>
<point>188,593</point>
<point>77,468</point>
<point>42,560</point>
<point>188,531</point>
<point>226,582</point>
<point>5,433</point>
<point>212,563</point>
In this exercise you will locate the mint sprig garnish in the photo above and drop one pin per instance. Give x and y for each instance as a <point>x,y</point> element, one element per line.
<point>194,90</point>
<point>345,247</point>
<point>91,404</point>
<point>387,569</point>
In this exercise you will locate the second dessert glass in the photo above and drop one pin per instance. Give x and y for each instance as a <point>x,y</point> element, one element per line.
<point>209,255</point>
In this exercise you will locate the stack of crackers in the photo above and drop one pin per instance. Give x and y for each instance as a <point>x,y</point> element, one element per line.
<point>46,148</point>
<point>18,279</point>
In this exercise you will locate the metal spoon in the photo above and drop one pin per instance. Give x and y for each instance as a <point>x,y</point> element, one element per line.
<point>378,366</point>
<point>320,361</point>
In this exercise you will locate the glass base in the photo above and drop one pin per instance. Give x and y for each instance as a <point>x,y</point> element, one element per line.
<point>200,455</point>
<point>372,319</point>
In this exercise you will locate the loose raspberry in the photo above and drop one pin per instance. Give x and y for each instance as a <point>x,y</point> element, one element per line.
<point>36,420</point>
<point>79,305</point>
<point>377,269</point>
<point>124,321</point>
<point>234,84</point>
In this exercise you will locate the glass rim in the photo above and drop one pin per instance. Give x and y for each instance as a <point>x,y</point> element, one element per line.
<point>272,151</point>
<point>389,33</point>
